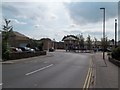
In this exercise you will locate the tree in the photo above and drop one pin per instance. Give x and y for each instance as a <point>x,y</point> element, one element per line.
<point>105,43</point>
<point>40,46</point>
<point>95,42</point>
<point>36,44</point>
<point>89,43</point>
<point>5,36</point>
<point>113,41</point>
<point>81,41</point>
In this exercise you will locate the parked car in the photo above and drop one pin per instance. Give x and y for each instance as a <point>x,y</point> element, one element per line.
<point>106,50</point>
<point>27,49</point>
<point>14,49</point>
<point>22,48</point>
<point>51,50</point>
<point>36,49</point>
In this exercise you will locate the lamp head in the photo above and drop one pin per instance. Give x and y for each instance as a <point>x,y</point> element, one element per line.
<point>102,8</point>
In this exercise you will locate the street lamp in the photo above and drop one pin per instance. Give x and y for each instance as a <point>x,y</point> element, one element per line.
<point>103,33</point>
<point>53,43</point>
<point>115,33</point>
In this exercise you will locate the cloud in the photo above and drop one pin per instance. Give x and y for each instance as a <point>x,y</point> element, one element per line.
<point>37,26</point>
<point>15,21</point>
<point>74,32</point>
<point>21,16</point>
<point>59,19</point>
<point>53,16</point>
<point>72,25</point>
<point>89,12</point>
<point>9,8</point>
<point>68,1</point>
<point>33,11</point>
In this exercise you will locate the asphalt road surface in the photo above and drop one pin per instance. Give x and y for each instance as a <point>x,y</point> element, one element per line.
<point>58,69</point>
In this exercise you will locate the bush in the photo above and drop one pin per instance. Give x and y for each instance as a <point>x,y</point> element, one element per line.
<point>5,51</point>
<point>6,55</point>
<point>116,53</point>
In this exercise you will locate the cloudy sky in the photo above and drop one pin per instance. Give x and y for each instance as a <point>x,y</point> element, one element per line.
<point>56,18</point>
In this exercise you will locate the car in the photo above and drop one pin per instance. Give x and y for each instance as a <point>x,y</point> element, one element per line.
<point>106,50</point>
<point>14,49</point>
<point>22,48</point>
<point>36,49</point>
<point>51,50</point>
<point>27,49</point>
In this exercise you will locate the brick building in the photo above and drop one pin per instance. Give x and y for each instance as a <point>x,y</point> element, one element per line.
<point>17,39</point>
<point>70,42</point>
<point>47,43</point>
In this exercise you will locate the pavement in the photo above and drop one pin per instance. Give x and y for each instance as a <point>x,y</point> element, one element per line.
<point>106,76</point>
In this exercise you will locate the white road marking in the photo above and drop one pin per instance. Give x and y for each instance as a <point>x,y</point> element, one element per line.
<point>39,69</point>
<point>1,84</point>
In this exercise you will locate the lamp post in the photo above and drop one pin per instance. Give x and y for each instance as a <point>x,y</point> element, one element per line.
<point>103,34</point>
<point>53,43</point>
<point>115,33</point>
<point>0,45</point>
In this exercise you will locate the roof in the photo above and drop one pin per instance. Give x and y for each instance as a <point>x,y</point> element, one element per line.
<point>19,34</point>
<point>46,39</point>
<point>16,35</point>
<point>69,37</point>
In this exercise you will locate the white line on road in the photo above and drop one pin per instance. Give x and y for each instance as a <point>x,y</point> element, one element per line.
<point>39,69</point>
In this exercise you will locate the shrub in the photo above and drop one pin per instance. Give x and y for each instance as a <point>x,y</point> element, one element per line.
<point>5,51</point>
<point>116,53</point>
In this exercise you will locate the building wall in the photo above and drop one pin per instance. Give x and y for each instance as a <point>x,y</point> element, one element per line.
<point>17,43</point>
<point>59,45</point>
<point>47,44</point>
<point>70,43</point>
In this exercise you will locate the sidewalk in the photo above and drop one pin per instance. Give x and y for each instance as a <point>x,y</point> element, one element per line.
<point>106,77</point>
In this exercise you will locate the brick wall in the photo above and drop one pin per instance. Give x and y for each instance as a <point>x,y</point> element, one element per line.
<point>21,55</point>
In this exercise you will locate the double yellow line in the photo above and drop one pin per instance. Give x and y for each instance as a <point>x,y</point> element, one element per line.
<point>89,76</point>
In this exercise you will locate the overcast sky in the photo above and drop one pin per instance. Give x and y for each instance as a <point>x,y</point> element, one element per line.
<point>54,19</point>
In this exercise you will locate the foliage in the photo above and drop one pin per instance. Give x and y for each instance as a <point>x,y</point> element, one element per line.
<point>105,43</point>
<point>89,43</point>
<point>5,36</point>
<point>95,42</point>
<point>81,41</point>
<point>40,46</point>
<point>35,44</point>
<point>5,50</point>
<point>116,53</point>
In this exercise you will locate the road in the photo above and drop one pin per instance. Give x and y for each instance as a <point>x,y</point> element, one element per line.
<point>61,69</point>
<point>56,70</point>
